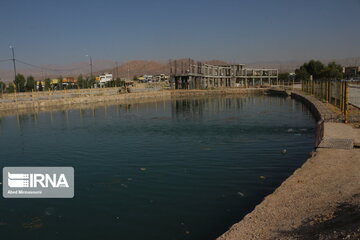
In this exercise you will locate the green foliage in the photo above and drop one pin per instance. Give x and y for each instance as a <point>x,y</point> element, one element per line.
<point>318,70</point>
<point>47,83</point>
<point>301,74</point>
<point>333,71</point>
<point>284,77</point>
<point>20,82</point>
<point>91,82</point>
<point>314,68</point>
<point>30,83</point>
<point>61,87</point>
<point>11,88</point>
<point>82,82</point>
<point>41,87</point>
<point>118,82</point>
<point>2,86</point>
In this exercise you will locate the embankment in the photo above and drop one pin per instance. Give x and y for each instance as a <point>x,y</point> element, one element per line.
<point>19,107</point>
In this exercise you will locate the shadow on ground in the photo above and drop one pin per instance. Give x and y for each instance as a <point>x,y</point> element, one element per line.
<point>343,223</point>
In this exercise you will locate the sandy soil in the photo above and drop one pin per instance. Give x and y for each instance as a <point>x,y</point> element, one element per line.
<point>319,201</point>
<point>342,131</point>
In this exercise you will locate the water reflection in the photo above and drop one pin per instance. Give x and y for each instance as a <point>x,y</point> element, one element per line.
<point>177,109</point>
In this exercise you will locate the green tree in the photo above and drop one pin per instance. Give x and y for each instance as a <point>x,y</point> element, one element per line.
<point>61,82</point>
<point>333,71</point>
<point>30,83</point>
<point>301,74</point>
<point>318,70</point>
<point>2,86</point>
<point>91,82</point>
<point>81,82</point>
<point>41,87</point>
<point>20,82</point>
<point>11,88</point>
<point>284,77</point>
<point>118,82</point>
<point>47,83</point>
<point>312,68</point>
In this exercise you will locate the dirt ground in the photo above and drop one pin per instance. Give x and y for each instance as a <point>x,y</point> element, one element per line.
<point>321,200</point>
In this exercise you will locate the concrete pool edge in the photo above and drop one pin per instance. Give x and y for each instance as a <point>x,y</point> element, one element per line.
<point>314,191</point>
<point>28,107</point>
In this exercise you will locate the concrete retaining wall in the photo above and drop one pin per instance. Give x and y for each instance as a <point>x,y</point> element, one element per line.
<point>38,105</point>
<point>318,108</point>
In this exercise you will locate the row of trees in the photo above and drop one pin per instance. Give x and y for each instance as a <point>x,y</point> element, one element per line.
<point>28,84</point>
<point>318,70</point>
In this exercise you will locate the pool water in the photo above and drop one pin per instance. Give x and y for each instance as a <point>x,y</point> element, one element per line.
<point>171,169</point>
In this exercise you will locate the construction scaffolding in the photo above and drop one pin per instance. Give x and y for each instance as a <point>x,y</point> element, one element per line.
<point>197,75</point>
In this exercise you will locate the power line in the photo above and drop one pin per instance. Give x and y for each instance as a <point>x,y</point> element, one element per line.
<point>5,60</point>
<point>48,69</point>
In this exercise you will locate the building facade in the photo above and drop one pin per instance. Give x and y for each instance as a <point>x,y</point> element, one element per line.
<point>201,76</point>
<point>351,72</point>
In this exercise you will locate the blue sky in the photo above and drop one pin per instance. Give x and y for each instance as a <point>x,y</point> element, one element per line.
<point>62,32</point>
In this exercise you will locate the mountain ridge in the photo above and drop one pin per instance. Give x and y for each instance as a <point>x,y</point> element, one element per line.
<point>129,69</point>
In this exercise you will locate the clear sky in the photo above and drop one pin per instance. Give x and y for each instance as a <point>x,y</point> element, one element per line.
<point>62,32</point>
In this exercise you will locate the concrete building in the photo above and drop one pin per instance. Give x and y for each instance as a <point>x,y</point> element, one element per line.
<point>198,75</point>
<point>351,72</point>
<point>160,78</point>
<point>69,81</point>
<point>102,79</point>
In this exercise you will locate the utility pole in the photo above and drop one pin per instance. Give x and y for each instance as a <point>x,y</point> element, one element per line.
<point>128,72</point>
<point>116,69</point>
<point>13,59</point>
<point>91,65</point>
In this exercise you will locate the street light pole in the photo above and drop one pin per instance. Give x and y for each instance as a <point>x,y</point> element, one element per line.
<point>13,59</point>
<point>116,69</point>
<point>91,71</point>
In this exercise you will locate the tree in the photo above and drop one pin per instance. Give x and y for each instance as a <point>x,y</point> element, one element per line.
<point>319,71</point>
<point>81,82</point>
<point>284,77</point>
<point>91,82</point>
<point>333,71</point>
<point>41,87</point>
<point>118,82</point>
<point>2,86</point>
<point>30,83</point>
<point>301,74</point>
<point>11,88</point>
<point>47,83</point>
<point>20,82</point>
<point>60,82</point>
<point>312,68</point>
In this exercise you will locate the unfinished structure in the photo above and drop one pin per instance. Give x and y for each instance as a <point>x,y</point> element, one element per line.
<point>198,75</point>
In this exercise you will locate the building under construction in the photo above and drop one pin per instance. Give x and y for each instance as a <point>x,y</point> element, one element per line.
<point>198,75</point>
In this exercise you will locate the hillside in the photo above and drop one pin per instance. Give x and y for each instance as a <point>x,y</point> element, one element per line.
<point>132,68</point>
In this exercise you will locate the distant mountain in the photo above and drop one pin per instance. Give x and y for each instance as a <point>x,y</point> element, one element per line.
<point>133,68</point>
<point>137,68</point>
